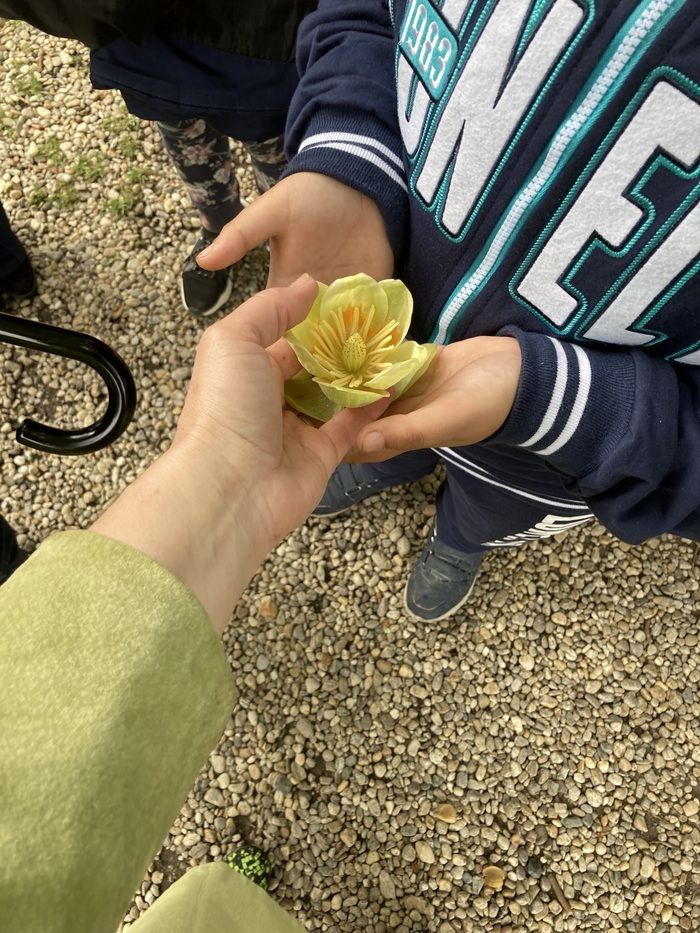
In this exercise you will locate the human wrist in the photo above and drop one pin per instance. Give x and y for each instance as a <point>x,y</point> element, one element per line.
<point>185,515</point>
<point>222,502</point>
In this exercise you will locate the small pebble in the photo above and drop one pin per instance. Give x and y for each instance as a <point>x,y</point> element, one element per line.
<point>494,877</point>
<point>446,813</point>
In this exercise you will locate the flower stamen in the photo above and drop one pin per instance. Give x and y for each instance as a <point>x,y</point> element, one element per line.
<point>322,340</point>
<point>369,317</point>
<point>382,335</point>
<point>337,318</point>
<point>328,361</point>
<point>331,336</point>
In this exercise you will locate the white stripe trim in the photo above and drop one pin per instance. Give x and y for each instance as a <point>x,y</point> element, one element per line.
<point>527,537</point>
<point>367,141</point>
<point>518,492</point>
<point>450,450</point>
<point>558,147</point>
<point>557,396</point>
<point>369,157</point>
<point>574,420</point>
<point>566,503</point>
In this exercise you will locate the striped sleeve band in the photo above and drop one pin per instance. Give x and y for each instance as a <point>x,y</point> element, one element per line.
<point>573,405</point>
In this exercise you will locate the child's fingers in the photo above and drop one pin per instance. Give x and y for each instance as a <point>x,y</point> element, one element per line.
<point>252,227</point>
<point>342,430</point>
<point>437,424</point>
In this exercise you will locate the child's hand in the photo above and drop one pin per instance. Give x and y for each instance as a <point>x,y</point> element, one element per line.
<point>315,224</point>
<point>465,397</point>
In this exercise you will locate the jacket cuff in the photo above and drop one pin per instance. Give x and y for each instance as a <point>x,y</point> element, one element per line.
<point>573,406</point>
<point>360,154</point>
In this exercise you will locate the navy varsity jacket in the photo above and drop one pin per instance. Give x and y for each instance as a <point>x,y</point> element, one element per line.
<point>537,165</point>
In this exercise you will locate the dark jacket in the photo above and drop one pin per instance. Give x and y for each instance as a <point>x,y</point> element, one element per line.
<point>254,28</point>
<point>537,171</point>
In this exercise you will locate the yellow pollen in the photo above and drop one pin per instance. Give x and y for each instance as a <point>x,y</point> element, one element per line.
<point>354,353</point>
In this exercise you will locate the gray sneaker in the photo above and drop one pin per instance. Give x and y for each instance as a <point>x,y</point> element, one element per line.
<point>349,485</point>
<point>441,581</point>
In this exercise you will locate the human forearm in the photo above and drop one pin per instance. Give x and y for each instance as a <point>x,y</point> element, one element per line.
<point>180,515</point>
<point>113,684</point>
<point>342,119</point>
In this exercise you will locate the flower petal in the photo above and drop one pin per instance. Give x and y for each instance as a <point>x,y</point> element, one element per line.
<point>359,290</point>
<point>425,354</point>
<point>304,355</point>
<point>349,398</point>
<point>305,396</point>
<point>349,282</point>
<point>303,330</point>
<point>400,302</point>
<point>403,360</point>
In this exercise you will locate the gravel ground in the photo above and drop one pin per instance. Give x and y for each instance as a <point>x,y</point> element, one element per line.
<point>533,766</point>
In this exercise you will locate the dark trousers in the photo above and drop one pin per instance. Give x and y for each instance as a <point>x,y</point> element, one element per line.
<point>491,497</point>
<point>12,252</point>
<point>10,554</point>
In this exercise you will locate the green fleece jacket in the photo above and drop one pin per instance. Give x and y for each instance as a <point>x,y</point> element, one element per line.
<point>113,690</point>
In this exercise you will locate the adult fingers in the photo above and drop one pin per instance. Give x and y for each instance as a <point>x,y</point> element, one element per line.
<point>285,357</point>
<point>265,317</point>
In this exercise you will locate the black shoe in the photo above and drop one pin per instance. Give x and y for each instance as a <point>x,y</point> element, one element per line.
<point>441,581</point>
<point>349,484</point>
<point>8,567</point>
<point>204,292</point>
<point>21,283</point>
<point>252,862</point>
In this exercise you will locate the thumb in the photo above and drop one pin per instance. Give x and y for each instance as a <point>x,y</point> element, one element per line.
<point>260,221</point>
<point>397,432</point>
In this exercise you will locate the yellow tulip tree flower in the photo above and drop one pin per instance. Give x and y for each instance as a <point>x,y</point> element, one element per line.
<point>352,349</point>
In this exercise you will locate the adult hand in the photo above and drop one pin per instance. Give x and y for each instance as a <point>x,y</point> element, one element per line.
<point>464,397</point>
<point>234,415</point>
<point>242,471</point>
<point>315,224</point>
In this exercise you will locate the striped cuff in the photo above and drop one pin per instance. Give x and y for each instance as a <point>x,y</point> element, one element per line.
<point>572,406</point>
<point>365,161</point>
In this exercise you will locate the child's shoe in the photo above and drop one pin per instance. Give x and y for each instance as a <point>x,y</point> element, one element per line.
<point>204,292</point>
<point>349,485</point>
<point>441,581</point>
<point>21,282</point>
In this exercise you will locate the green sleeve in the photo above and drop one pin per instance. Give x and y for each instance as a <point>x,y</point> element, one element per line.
<point>113,690</point>
<point>214,899</point>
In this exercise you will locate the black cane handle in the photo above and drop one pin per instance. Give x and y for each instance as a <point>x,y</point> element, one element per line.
<point>121,403</point>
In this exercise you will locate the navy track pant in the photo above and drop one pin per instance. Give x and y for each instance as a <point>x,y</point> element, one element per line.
<point>491,497</point>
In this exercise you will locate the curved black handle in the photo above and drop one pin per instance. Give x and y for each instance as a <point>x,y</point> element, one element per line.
<point>75,345</point>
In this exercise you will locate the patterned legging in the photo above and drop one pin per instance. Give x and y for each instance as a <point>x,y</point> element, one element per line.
<point>202,157</point>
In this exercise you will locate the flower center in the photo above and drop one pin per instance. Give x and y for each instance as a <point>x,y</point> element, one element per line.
<point>354,353</point>
<point>351,360</point>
